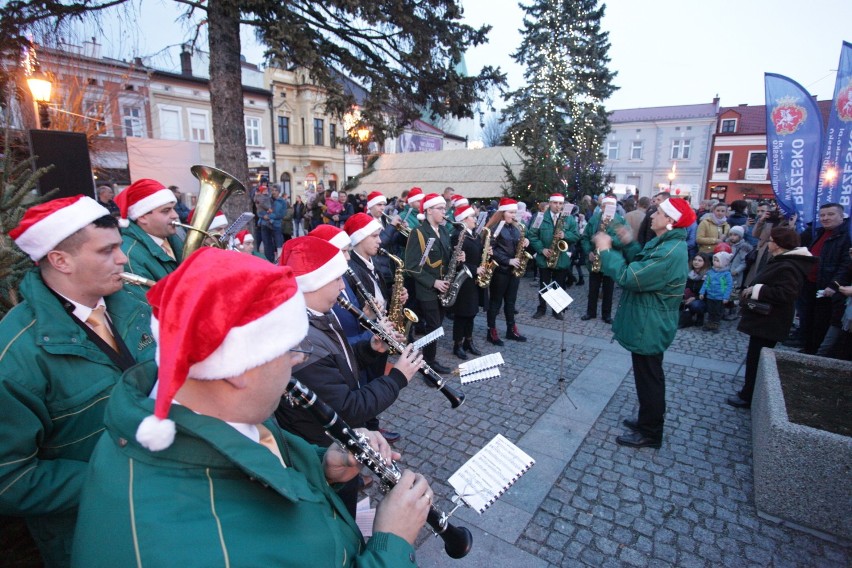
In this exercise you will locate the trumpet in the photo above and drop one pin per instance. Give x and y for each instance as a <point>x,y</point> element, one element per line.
<point>457,540</point>
<point>402,227</point>
<point>456,398</point>
<point>136,280</point>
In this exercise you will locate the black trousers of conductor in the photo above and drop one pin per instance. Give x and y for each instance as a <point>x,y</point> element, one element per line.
<point>503,290</point>
<point>596,281</point>
<point>548,275</point>
<point>433,315</point>
<point>651,391</point>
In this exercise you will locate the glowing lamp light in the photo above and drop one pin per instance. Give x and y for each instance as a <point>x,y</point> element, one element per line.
<point>40,87</point>
<point>363,133</point>
<point>830,175</point>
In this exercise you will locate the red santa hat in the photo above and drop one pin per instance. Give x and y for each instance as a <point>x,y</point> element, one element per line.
<point>679,211</point>
<point>218,222</point>
<point>335,235</point>
<point>507,204</point>
<point>315,262</point>
<point>464,212</point>
<point>722,247</point>
<point>557,198</point>
<point>244,237</point>
<point>375,198</point>
<point>459,200</point>
<point>360,226</point>
<point>218,315</point>
<point>141,197</point>
<point>415,194</point>
<point>430,200</point>
<point>48,224</point>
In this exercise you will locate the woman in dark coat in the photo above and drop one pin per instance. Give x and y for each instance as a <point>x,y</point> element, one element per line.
<point>467,302</point>
<point>778,285</point>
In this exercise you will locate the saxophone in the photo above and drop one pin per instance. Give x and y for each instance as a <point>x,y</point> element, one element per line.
<point>449,297</point>
<point>398,315</point>
<point>484,280</point>
<point>522,255</point>
<point>596,261</point>
<point>558,246</point>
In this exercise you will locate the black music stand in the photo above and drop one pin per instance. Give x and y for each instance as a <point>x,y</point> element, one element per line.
<point>558,300</point>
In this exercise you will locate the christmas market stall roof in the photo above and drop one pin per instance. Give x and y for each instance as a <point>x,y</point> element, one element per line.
<point>474,174</point>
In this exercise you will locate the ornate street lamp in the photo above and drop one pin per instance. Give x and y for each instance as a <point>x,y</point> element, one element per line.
<point>40,88</point>
<point>672,175</point>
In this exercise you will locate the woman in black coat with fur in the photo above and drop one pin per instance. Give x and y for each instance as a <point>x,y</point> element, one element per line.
<point>778,284</point>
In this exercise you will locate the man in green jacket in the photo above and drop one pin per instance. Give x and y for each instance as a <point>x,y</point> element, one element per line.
<point>542,234</point>
<point>194,472</point>
<point>62,350</point>
<point>149,238</point>
<point>652,279</point>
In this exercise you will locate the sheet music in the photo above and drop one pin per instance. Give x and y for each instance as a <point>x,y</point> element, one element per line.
<point>608,211</point>
<point>497,230</point>
<point>480,363</point>
<point>480,375</point>
<point>364,517</point>
<point>490,472</point>
<point>429,244</point>
<point>427,339</point>
<point>539,219</point>
<point>480,221</point>
<point>557,298</point>
<point>236,226</point>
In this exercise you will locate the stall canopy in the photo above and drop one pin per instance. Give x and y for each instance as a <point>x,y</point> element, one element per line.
<point>475,174</point>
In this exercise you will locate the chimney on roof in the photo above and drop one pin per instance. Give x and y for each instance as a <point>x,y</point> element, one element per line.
<point>185,61</point>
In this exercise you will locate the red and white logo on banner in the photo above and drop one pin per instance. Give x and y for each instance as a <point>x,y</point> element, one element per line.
<point>788,116</point>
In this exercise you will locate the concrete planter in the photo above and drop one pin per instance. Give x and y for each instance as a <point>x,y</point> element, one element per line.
<point>802,475</point>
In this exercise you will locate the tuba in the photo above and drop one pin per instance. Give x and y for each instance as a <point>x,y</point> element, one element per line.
<point>216,187</point>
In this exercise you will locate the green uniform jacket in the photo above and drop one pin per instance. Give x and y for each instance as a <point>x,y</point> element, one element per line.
<point>592,228</point>
<point>436,264</point>
<point>542,238</point>
<point>144,257</point>
<point>652,280</point>
<point>54,386</point>
<point>409,216</point>
<point>213,498</point>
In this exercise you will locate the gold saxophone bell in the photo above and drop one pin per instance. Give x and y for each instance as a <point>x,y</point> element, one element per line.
<point>562,246</point>
<point>410,318</point>
<point>216,187</point>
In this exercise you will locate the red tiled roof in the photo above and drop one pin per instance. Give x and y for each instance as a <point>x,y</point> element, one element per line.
<point>752,119</point>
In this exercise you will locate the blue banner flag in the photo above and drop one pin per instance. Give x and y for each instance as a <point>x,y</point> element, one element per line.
<point>794,134</point>
<point>835,180</point>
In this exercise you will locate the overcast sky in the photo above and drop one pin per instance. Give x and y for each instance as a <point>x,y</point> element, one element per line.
<point>666,52</point>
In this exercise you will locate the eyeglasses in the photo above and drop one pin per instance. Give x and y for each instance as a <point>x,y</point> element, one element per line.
<point>302,351</point>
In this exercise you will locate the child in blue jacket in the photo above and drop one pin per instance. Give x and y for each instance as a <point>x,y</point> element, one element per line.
<point>717,289</point>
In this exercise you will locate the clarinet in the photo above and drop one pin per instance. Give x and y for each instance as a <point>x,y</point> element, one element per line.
<point>456,398</point>
<point>368,298</point>
<point>457,540</point>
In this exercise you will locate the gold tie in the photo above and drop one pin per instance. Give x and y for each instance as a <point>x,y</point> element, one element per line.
<point>97,321</point>
<point>168,249</point>
<point>268,440</point>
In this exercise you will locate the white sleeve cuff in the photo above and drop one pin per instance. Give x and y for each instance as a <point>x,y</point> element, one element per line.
<point>755,291</point>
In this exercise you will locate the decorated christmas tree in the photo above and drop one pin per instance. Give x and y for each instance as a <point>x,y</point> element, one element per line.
<point>558,118</point>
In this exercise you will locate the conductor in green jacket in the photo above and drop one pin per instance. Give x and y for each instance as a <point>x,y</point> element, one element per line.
<point>62,350</point>
<point>652,279</point>
<point>548,227</point>
<point>150,241</point>
<point>193,469</point>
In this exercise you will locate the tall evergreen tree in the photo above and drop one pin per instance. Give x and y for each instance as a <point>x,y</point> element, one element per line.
<point>558,119</point>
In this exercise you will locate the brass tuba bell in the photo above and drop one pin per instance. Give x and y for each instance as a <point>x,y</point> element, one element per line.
<point>216,187</point>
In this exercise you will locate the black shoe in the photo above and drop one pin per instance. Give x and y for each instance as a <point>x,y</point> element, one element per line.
<point>438,368</point>
<point>607,320</point>
<point>587,317</point>
<point>517,312</point>
<point>459,352</point>
<point>493,338</point>
<point>632,424</point>
<point>581,282</point>
<point>638,440</point>
<point>559,316</point>
<point>539,313</point>
<point>471,348</point>
<point>737,402</point>
<point>391,437</point>
<point>515,335</point>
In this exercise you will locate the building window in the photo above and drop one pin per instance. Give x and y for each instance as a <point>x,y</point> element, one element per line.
<point>283,130</point>
<point>636,150</point>
<point>757,161</point>
<point>253,131</point>
<point>728,125</point>
<point>198,126</point>
<point>170,127</point>
<point>319,127</point>
<point>285,183</point>
<point>97,111</point>
<point>723,162</point>
<point>332,135</point>
<point>612,150</point>
<point>132,121</point>
<point>680,149</point>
